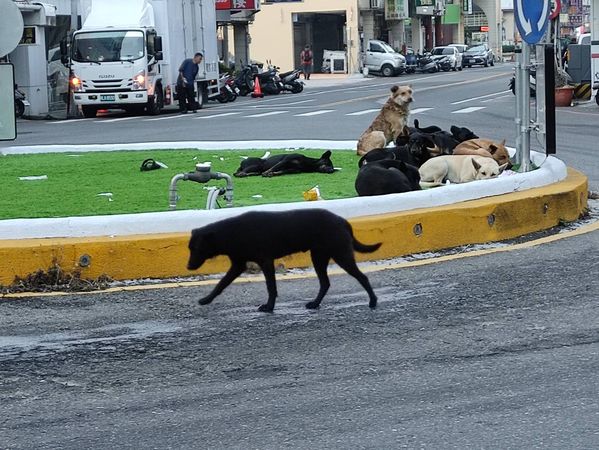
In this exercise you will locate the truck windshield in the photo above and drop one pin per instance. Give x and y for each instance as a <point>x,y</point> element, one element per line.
<point>108,46</point>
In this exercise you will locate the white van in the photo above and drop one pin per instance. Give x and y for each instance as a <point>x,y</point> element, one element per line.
<point>380,57</point>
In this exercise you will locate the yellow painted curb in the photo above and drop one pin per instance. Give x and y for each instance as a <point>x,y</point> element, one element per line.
<point>165,255</point>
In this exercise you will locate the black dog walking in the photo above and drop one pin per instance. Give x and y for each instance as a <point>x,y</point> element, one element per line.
<point>262,237</point>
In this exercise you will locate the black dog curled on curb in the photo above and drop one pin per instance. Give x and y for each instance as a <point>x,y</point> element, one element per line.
<point>262,237</point>
<point>285,164</point>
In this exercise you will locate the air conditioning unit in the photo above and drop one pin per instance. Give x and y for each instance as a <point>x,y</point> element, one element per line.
<point>377,4</point>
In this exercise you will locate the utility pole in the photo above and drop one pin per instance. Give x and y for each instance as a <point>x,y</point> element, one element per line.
<point>72,111</point>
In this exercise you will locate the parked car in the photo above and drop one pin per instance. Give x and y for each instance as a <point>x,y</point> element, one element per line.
<point>448,58</point>
<point>381,57</point>
<point>479,54</point>
<point>461,48</point>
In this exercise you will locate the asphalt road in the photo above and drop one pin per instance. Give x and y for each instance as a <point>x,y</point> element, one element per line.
<point>493,351</point>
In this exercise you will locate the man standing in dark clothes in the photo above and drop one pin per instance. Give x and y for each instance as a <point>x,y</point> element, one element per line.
<point>185,83</point>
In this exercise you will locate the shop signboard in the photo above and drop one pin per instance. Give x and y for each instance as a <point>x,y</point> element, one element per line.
<point>396,9</point>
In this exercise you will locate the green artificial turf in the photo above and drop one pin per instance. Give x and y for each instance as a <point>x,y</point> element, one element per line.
<point>75,180</point>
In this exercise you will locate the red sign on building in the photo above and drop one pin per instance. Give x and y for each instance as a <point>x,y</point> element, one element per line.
<point>235,5</point>
<point>223,4</point>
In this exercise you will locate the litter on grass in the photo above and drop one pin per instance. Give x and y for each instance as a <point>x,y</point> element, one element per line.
<point>106,194</point>
<point>34,178</point>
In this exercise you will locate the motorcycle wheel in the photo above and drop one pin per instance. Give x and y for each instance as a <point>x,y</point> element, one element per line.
<point>19,108</point>
<point>297,88</point>
<point>221,98</point>
<point>231,96</point>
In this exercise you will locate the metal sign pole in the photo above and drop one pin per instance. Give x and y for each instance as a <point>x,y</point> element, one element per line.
<point>523,108</point>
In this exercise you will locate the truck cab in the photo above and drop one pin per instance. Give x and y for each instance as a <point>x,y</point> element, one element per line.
<point>113,67</point>
<point>381,57</point>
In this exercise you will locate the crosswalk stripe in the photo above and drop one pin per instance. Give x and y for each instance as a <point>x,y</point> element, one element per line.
<point>217,115</point>
<point>468,110</point>
<point>315,113</point>
<point>366,111</point>
<point>419,110</point>
<point>272,113</point>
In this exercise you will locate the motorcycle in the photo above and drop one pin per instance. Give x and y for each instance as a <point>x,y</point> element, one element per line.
<point>533,83</point>
<point>444,64</point>
<point>244,81</point>
<point>270,82</point>
<point>421,63</point>
<point>290,81</point>
<point>20,102</point>
<point>228,90</point>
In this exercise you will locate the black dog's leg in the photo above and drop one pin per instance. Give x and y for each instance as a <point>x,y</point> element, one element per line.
<point>236,269</point>
<point>320,261</point>
<point>347,262</point>
<point>268,268</point>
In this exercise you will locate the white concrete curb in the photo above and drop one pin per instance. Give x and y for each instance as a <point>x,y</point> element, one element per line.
<point>551,171</point>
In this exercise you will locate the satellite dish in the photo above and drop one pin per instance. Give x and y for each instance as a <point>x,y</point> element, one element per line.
<point>11,26</point>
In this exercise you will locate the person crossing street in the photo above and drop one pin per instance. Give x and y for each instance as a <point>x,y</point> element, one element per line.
<point>185,83</point>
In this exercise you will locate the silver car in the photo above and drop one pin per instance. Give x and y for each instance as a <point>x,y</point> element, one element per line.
<point>479,54</point>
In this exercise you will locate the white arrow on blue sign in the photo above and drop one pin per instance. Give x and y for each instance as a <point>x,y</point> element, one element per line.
<point>532,17</point>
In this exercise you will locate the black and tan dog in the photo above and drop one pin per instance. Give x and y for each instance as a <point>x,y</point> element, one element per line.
<point>262,237</point>
<point>389,123</point>
<point>285,164</point>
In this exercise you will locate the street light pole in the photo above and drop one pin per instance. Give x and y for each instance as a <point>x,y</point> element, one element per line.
<point>523,108</point>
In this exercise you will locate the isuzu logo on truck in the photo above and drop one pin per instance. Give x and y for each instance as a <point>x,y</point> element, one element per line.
<point>106,76</point>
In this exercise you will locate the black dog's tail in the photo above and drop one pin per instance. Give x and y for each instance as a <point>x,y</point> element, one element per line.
<point>365,248</point>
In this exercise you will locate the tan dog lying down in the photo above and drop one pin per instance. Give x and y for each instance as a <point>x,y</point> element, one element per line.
<point>389,123</point>
<point>485,147</point>
<point>459,169</point>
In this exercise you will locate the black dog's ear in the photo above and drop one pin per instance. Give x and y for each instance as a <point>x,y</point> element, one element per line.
<point>394,89</point>
<point>416,124</point>
<point>454,130</point>
<point>326,154</point>
<point>492,149</point>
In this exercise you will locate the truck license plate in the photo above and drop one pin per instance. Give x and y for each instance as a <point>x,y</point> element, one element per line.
<point>107,98</point>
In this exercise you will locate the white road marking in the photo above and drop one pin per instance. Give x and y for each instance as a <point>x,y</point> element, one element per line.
<point>419,110</point>
<point>217,115</point>
<point>173,116</point>
<point>315,113</point>
<point>68,121</point>
<point>366,111</point>
<point>468,110</point>
<point>478,98</point>
<point>497,98</point>
<point>272,113</point>
<point>120,119</point>
<point>301,101</point>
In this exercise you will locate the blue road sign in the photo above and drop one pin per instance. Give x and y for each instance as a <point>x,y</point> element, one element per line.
<point>532,18</point>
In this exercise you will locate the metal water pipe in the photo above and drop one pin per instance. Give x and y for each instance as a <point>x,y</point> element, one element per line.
<point>202,174</point>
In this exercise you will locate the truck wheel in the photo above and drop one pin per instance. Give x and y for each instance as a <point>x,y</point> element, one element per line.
<point>155,103</point>
<point>88,111</point>
<point>202,95</point>
<point>597,98</point>
<point>387,70</point>
<point>19,108</point>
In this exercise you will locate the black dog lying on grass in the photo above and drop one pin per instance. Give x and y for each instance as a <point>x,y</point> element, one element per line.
<point>387,177</point>
<point>262,237</point>
<point>285,164</point>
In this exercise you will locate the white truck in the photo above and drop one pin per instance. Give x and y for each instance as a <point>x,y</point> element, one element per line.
<point>128,52</point>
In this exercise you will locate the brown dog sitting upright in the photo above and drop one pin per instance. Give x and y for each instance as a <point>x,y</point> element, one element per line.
<point>389,123</point>
<point>485,147</point>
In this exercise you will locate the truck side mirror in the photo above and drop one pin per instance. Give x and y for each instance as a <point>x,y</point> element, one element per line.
<point>158,44</point>
<point>158,56</point>
<point>64,52</point>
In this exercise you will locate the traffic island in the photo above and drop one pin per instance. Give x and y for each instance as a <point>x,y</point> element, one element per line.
<point>154,245</point>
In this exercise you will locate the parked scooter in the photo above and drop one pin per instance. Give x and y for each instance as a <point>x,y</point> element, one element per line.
<point>20,102</point>
<point>270,82</point>
<point>228,90</point>
<point>533,83</point>
<point>289,81</point>
<point>244,81</point>
<point>426,63</point>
